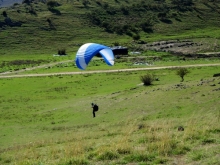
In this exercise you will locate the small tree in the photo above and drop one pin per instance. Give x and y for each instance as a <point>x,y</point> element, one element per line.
<point>27,1</point>
<point>4,13</point>
<point>136,37</point>
<point>147,79</point>
<point>62,51</point>
<point>182,72</point>
<point>85,3</point>
<point>51,4</point>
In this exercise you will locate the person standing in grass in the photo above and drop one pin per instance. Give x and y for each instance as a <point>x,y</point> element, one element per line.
<point>95,108</point>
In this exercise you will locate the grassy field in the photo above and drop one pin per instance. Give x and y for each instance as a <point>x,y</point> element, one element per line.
<point>66,64</point>
<point>48,120</point>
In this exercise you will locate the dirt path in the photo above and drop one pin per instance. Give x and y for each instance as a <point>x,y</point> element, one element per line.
<point>36,67</point>
<point>104,71</point>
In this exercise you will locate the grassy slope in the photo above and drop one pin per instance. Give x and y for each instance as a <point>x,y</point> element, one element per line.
<point>33,38</point>
<point>37,40</point>
<point>71,28</point>
<point>50,120</point>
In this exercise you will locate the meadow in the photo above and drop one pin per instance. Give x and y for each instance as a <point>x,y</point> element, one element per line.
<point>48,120</point>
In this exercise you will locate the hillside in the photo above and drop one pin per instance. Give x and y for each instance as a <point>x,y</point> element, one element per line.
<point>40,27</point>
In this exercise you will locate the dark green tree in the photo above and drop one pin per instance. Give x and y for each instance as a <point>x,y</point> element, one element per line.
<point>136,37</point>
<point>51,4</point>
<point>182,72</point>
<point>4,13</point>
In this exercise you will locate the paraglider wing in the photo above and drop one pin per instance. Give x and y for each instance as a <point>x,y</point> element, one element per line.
<point>108,56</point>
<point>87,51</point>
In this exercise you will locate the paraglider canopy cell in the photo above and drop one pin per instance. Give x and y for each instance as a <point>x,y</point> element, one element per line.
<point>87,51</point>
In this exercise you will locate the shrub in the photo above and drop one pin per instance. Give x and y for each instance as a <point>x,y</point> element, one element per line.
<point>51,4</point>
<point>85,3</point>
<point>105,5</point>
<point>32,10</point>
<point>98,3</point>
<point>116,43</point>
<point>4,13</point>
<point>125,10</point>
<point>182,72</point>
<point>27,1</point>
<point>147,79</point>
<point>62,51</point>
<point>136,37</point>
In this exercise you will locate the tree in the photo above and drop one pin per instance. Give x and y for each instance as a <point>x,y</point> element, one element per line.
<point>182,72</point>
<point>51,4</point>
<point>27,1</point>
<point>183,5</point>
<point>182,2</point>
<point>136,37</point>
<point>85,3</point>
<point>4,13</point>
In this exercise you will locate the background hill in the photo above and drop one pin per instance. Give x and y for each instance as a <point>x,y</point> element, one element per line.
<point>42,27</point>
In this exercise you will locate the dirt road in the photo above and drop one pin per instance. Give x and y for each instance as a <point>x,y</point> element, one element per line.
<point>104,71</point>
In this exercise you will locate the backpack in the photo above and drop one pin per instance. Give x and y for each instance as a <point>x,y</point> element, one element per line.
<point>96,107</point>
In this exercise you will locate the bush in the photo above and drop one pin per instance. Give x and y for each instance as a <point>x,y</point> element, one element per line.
<point>51,4</point>
<point>136,37</point>
<point>32,10</point>
<point>116,43</point>
<point>147,79</point>
<point>125,10</point>
<point>182,72</point>
<point>62,51</point>
<point>27,1</point>
<point>4,13</point>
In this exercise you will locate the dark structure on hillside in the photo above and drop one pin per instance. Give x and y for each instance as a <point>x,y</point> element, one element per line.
<point>117,50</point>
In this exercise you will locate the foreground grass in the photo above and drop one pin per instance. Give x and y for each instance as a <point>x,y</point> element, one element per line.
<point>48,120</point>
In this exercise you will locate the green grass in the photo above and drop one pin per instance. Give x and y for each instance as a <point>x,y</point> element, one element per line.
<point>48,120</point>
<point>67,64</point>
<point>72,27</point>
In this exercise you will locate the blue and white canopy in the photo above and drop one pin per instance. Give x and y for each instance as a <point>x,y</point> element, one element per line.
<point>87,51</point>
